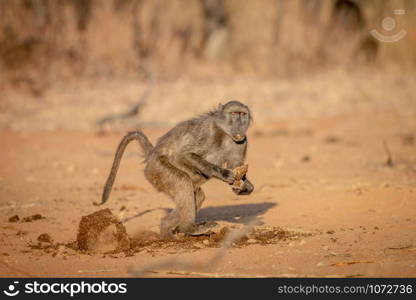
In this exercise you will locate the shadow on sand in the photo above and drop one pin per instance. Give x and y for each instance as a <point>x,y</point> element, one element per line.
<point>241,213</point>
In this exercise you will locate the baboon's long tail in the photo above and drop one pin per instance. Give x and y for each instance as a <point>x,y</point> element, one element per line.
<point>147,148</point>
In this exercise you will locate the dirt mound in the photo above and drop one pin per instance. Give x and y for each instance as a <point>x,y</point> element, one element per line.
<point>101,231</point>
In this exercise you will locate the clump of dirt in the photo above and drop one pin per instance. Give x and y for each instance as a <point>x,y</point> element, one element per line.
<point>45,238</point>
<point>102,232</point>
<point>14,219</point>
<point>35,217</point>
<point>99,232</point>
<point>32,218</point>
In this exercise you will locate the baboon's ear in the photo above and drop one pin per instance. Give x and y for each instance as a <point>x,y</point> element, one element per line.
<point>220,107</point>
<point>251,116</point>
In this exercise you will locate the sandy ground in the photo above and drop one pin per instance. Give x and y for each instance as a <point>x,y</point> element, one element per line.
<point>324,176</point>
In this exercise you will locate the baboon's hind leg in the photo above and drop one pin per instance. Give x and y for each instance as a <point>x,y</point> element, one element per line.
<point>179,187</point>
<point>205,226</point>
<point>182,219</point>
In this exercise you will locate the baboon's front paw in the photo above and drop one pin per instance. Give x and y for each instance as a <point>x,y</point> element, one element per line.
<point>242,192</point>
<point>246,189</point>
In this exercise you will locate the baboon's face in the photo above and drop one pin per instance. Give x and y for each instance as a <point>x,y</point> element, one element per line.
<point>234,120</point>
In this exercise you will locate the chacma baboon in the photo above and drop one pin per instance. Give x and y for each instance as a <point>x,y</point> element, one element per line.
<point>191,153</point>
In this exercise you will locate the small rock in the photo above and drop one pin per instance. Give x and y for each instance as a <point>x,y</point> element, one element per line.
<point>14,219</point>
<point>45,238</point>
<point>205,242</point>
<point>33,218</point>
<point>251,241</point>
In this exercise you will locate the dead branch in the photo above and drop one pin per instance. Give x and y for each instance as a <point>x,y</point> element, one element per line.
<point>136,108</point>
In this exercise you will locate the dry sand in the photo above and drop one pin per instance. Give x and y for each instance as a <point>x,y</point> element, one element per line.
<point>325,180</point>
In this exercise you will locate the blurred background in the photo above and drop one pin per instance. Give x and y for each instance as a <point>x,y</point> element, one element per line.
<point>71,63</point>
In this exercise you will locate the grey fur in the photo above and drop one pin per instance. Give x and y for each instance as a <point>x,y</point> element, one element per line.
<point>187,156</point>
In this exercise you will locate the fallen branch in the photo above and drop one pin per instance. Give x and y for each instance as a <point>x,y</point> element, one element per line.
<point>136,108</point>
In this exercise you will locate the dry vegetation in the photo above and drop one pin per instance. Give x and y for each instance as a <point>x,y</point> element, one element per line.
<point>102,38</point>
<point>301,57</point>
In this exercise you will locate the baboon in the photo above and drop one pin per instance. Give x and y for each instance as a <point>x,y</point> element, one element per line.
<point>187,156</point>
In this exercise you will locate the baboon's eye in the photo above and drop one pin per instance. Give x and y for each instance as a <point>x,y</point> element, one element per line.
<point>234,113</point>
<point>242,114</point>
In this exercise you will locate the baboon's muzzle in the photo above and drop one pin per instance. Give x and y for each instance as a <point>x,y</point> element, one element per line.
<point>239,137</point>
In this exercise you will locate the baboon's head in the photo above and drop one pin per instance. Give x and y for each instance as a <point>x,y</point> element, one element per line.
<point>234,119</point>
